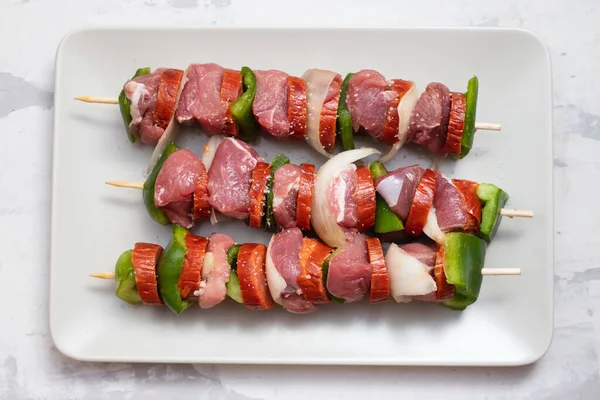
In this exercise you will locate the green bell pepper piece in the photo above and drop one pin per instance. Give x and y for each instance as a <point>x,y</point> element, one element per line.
<point>148,192</point>
<point>241,109</point>
<point>125,104</point>
<point>325,272</point>
<point>169,269</point>
<point>125,277</point>
<point>279,161</point>
<point>385,219</point>
<point>465,255</point>
<point>344,118</point>
<point>470,115</point>
<point>232,255</point>
<point>493,199</point>
<point>233,284</point>
<point>233,287</point>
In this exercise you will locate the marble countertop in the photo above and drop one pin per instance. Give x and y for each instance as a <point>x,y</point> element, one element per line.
<point>30,365</point>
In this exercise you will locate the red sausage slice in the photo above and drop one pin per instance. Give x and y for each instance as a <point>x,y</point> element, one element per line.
<point>260,176</point>
<point>312,255</point>
<point>251,273</point>
<point>191,273</point>
<point>297,111</point>
<point>166,97</point>
<point>305,195</point>
<point>444,291</point>
<point>201,207</point>
<point>392,120</point>
<point>231,90</point>
<point>328,117</point>
<point>456,124</point>
<point>419,210</point>
<point>468,190</point>
<point>380,283</point>
<point>144,258</point>
<point>365,199</point>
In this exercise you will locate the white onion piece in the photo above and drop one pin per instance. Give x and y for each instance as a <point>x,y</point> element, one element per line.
<point>275,281</point>
<point>209,264</point>
<point>171,132</point>
<point>322,218</point>
<point>210,148</point>
<point>317,86</point>
<point>432,229</point>
<point>408,276</point>
<point>405,108</point>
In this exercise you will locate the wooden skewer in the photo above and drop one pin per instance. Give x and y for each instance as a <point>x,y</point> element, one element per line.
<point>482,126</point>
<point>505,212</point>
<point>125,184</point>
<point>512,213</point>
<point>500,271</point>
<point>103,275</point>
<point>484,271</point>
<point>96,99</point>
<point>486,126</point>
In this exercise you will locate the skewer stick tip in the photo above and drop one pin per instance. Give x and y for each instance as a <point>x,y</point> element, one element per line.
<point>486,126</point>
<point>125,184</point>
<point>514,213</point>
<point>103,275</point>
<point>97,99</point>
<point>500,271</point>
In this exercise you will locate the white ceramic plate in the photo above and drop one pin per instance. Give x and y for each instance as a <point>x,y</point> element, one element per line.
<point>92,224</point>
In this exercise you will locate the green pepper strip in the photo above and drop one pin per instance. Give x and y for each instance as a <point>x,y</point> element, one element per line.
<point>125,277</point>
<point>470,115</point>
<point>326,273</point>
<point>344,118</point>
<point>385,219</point>
<point>169,269</point>
<point>279,161</point>
<point>241,109</point>
<point>233,285</point>
<point>464,258</point>
<point>232,255</point>
<point>125,104</point>
<point>493,199</point>
<point>148,191</point>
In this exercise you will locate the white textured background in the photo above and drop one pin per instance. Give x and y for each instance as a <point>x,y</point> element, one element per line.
<point>30,366</point>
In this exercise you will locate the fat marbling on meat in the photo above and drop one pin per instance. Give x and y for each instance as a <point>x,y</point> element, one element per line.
<point>229,178</point>
<point>283,269</point>
<point>215,271</point>
<point>201,100</point>
<point>175,185</point>
<point>142,92</point>
<point>341,192</point>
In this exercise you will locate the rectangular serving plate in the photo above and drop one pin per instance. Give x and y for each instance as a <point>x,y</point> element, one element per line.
<point>511,323</point>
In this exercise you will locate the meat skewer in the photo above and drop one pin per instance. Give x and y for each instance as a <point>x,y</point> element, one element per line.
<point>314,107</point>
<point>340,198</point>
<point>299,273</point>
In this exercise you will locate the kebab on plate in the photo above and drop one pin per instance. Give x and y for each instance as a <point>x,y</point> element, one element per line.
<point>299,273</point>
<point>316,107</point>
<point>232,181</point>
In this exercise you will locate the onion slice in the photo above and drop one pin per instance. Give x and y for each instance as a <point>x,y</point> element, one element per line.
<point>408,276</point>
<point>324,222</point>
<point>317,86</point>
<point>275,281</point>
<point>170,133</point>
<point>405,109</point>
<point>432,229</point>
